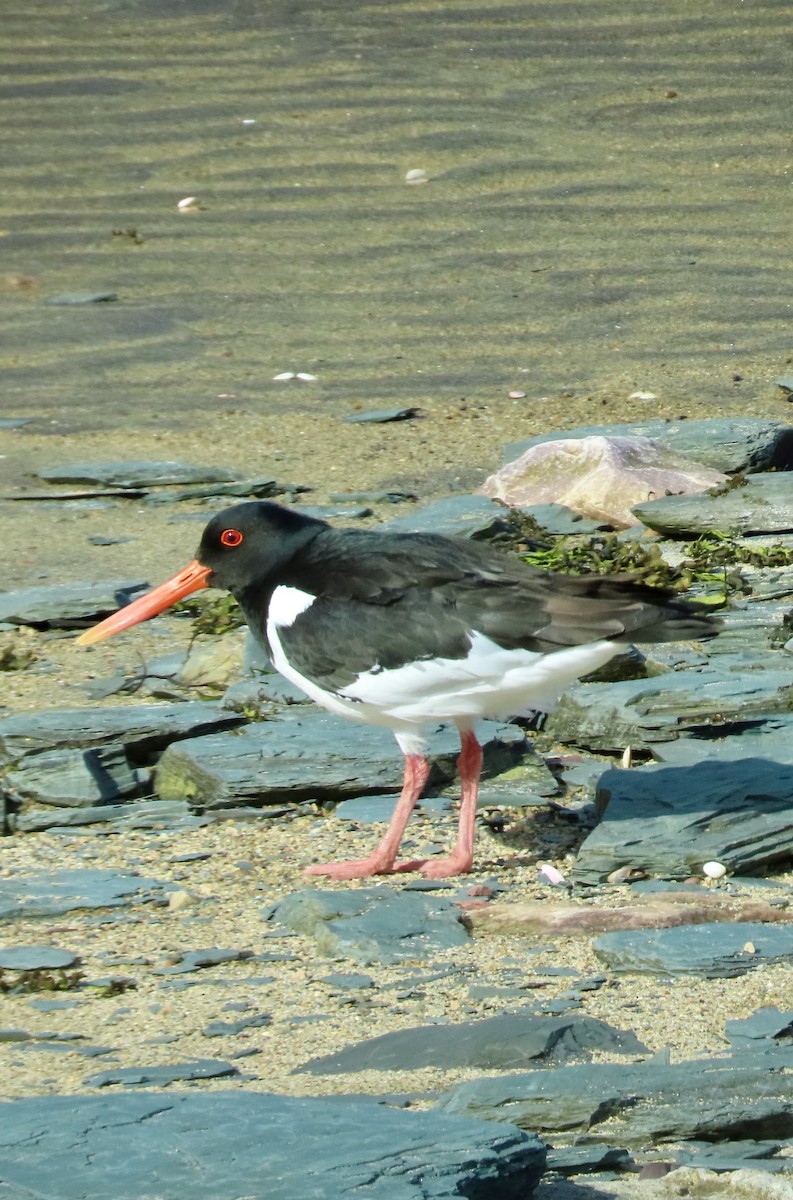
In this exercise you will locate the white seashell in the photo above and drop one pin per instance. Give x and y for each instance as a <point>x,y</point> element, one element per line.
<point>551,874</point>
<point>517,394</point>
<point>714,870</point>
<point>627,759</point>
<point>284,375</point>
<point>188,202</point>
<point>304,375</point>
<point>416,175</point>
<point>642,396</point>
<point>749,948</point>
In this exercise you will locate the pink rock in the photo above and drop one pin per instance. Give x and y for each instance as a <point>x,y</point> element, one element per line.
<point>599,477</point>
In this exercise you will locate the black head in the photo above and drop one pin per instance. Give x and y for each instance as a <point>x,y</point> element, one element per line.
<point>248,545</point>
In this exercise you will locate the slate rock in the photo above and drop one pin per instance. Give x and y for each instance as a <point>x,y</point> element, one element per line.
<point>134,474</point>
<point>764,1025</point>
<point>36,958</point>
<point>74,778</point>
<point>67,605</point>
<point>231,1028</point>
<point>218,1146</point>
<point>131,814</point>
<point>307,754</point>
<point>505,1042</point>
<point>380,416</point>
<point>195,960</point>
<point>735,1155</point>
<point>69,298</point>
<point>373,924</point>
<point>669,821</point>
<point>560,521</point>
<point>710,951</point>
<point>143,728</point>
<point>728,444</point>
<point>587,1160</point>
<point>710,1099</point>
<point>162,1075</point>
<point>474,517</point>
<point>637,712</point>
<point>762,737</point>
<point>52,893</point>
<point>259,487</point>
<point>764,504</point>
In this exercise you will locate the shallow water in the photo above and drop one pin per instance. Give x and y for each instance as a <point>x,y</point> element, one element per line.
<point>608,205</point>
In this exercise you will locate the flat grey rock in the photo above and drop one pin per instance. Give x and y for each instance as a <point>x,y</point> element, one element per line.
<point>766,1024</point>
<point>474,517</point>
<point>51,893</point>
<point>69,298</point>
<point>504,1042</point>
<point>67,605</point>
<point>259,487</point>
<point>670,820</point>
<point>162,1075</point>
<point>232,1028</point>
<point>135,474</point>
<point>381,416</point>
<point>131,814</point>
<point>307,754</point>
<point>727,444</point>
<point>373,924</point>
<point>765,737</point>
<point>196,960</point>
<point>561,521</point>
<point>36,958</point>
<point>224,1145</point>
<point>638,1103</point>
<point>146,727</point>
<point>711,951</point>
<point>74,778</point>
<point>764,504</point>
<point>637,712</point>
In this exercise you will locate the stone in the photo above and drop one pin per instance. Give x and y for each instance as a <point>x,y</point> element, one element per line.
<point>381,416</point>
<point>670,821</point>
<point>373,924</point>
<point>74,778</point>
<point>599,477</point>
<point>709,951</point>
<point>134,474</point>
<point>161,1076</point>
<point>728,444</point>
<point>195,960</point>
<point>761,504</point>
<point>307,754</point>
<point>505,1042</point>
<point>67,605</point>
<point>143,728</point>
<point>52,893</point>
<point>232,1028</point>
<point>36,958</point>
<point>230,1143</point>
<point>474,517</point>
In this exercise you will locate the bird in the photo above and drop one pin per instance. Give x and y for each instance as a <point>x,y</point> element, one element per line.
<point>409,630</point>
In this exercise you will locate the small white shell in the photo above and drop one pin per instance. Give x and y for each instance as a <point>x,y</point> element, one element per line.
<point>549,872</point>
<point>516,394</point>
<point>714,870</point>
<point>188,202</point>
<point>284,375</point>
<point>306,377</point>
<point>416,175</point>
<point>642,396</point>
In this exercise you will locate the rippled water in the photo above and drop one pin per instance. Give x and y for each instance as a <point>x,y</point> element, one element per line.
<point>608,199</point>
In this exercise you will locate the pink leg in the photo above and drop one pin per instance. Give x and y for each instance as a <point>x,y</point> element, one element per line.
<point>461,859</point>
<point>382,860</point>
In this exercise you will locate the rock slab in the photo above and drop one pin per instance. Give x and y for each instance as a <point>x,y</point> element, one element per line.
<point>227,1144</point>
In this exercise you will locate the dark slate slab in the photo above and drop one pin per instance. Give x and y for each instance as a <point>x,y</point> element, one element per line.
<point>66,605</point>
<point>131,814</point>
<point>373,924</point>
<point>163,1074</point>
<point>637,712</point>
<point>475,517</point>
<point>738,1155</point>
<point>145,727</point>
<point>36,958</point>
<point>727,444</point>
<point>134,474</point>
<point>75,778</point>
<point>766,1024</point>
<point>561,521</point>
<point>306,754</point>
<point>196,960</point>
<point>51,893</point>
<point>69,298</point>
<point>763,737</point>
<point>709,1099</point>
<point>259,487</point>
<point>226,1144</point>
<point>505,1042</point>
<point>763,505</point>
<point>381,416</point>
<point>669,821</point>
<point>712,951</point>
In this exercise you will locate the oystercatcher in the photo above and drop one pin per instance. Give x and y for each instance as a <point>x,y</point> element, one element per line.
<point>411,629</point>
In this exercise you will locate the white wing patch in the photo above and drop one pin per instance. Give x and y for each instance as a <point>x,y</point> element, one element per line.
<point>286,605</point>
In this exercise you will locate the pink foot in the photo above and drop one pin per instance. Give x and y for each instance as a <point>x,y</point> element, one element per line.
<point>442,868</point>
<point>362,868</point>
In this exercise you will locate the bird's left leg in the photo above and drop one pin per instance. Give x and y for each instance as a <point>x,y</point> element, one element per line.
<point>461,859</point>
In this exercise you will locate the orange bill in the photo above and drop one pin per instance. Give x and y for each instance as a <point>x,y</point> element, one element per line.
<point>191,579</point>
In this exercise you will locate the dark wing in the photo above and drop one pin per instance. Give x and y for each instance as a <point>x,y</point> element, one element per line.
<point>387,601</point>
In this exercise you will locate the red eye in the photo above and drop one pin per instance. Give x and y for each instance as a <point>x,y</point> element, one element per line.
<point>230,537</point>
